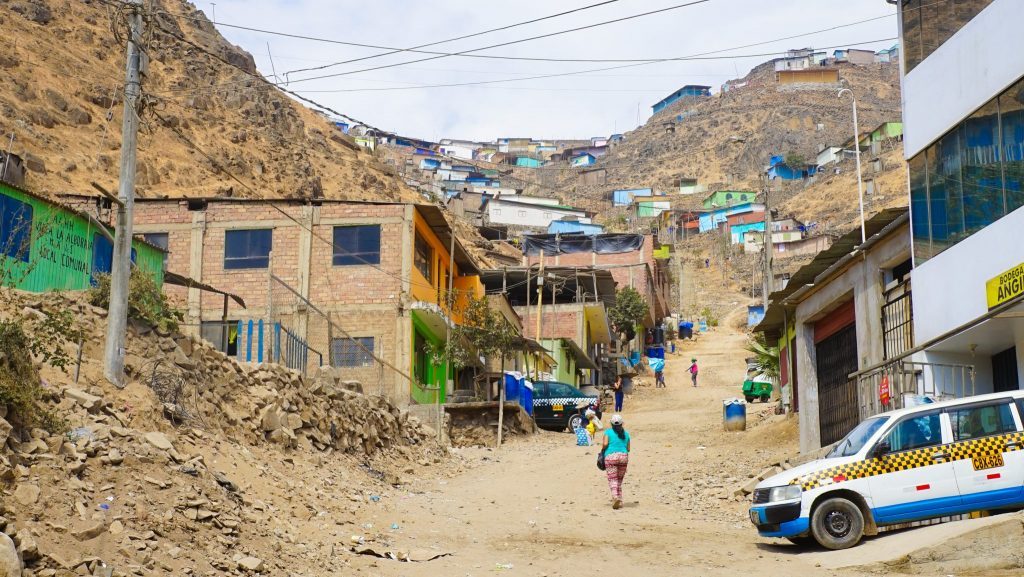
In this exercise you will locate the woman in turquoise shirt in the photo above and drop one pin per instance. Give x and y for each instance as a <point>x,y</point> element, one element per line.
<point>616,458</point>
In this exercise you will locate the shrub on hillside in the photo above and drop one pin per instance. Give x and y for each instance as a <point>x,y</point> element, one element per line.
<point>146,302</point>
<point>20,386</point>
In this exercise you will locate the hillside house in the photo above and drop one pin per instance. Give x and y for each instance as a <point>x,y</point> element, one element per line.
<point>778,168</point>
<point>712,219</point>
<point>528,162</point>
<point>527,213</point>
<point>574,227</point>
<point>378,269</point>
<point>625,196</point>
<point>690,186</point>
<point>599,141</point>
<point>593,176</point>
<point>815,75</point>
<point>651,208</point>
<point>50,246</point>
<point>829,155</point>
<point>688,91</point>
<point>788,243</point>
<point>728,198</point>
<point>585,159</point>
<point>463,149</point>
<point>889,54</point>
<point>854,56</point>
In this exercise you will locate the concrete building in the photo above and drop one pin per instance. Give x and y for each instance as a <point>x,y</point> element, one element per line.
<point>378,269</point>
<point>847,309</point>
<point>515,211</point>
<point>965,153</point>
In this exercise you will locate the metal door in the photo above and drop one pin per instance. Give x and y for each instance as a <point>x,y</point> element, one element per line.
<point>836,359</point>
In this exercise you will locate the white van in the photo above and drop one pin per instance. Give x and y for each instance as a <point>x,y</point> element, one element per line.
<point>932,460</point>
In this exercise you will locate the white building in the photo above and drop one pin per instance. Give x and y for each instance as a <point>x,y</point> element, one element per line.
<point>830,154</point>
<point>963,113</point>
<point>516,213</point>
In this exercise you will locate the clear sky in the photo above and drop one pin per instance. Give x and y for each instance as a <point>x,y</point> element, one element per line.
<point>562,105</point>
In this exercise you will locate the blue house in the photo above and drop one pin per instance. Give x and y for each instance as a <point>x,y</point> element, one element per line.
<point>528,162</point>
<point>736,231</point>
<point>343,126</point>
<point>572,226</point>
<point>624,197</point>
<point>778,168</point>
<point>690,90</point>
<point>430,164</point>
<point>710,220</point>
<point>585,159</point>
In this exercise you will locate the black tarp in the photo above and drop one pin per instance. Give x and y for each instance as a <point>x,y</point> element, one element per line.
<point>555,244</point>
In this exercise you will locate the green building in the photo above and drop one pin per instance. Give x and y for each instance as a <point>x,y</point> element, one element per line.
<point>728,198</point>
<point>570,360</point>
<point>46,246</point>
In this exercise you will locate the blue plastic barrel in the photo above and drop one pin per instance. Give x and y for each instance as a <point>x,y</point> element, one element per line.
<point>512,388</point>
<point>734,414</point>
<point>656,352</point>
<point>526,398</point>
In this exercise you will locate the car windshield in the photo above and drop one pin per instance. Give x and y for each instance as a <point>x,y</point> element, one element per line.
<point>854,442</point>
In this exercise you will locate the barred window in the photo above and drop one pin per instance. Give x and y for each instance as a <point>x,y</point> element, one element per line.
<point>355,352</point>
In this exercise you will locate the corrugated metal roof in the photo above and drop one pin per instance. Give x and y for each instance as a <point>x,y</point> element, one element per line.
<point>774,316</point>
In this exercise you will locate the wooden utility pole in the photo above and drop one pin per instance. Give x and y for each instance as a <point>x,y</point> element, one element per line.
<point>769,251</point>
<point>117,312</point>
<point>540,293</point>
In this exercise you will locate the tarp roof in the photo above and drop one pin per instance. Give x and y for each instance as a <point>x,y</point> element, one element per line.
<point>774,316</point>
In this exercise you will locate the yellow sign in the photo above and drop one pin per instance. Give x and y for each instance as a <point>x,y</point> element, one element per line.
<point>1005,286</point>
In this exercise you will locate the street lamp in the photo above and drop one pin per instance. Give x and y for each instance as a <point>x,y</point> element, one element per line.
<point>856,148</point>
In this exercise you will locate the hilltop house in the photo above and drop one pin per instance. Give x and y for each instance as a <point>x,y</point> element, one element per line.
<point>585,159</point>
<point>525,212</point>
<point>380,270</point>
<point>528,162</point>
<point>712,219</point>
<point>854,56</point>
<point>728,198</point>
<point>688,91</point>
<point>625,196</point>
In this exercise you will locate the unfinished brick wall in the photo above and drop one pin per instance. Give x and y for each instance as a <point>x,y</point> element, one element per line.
<point>558,321</point>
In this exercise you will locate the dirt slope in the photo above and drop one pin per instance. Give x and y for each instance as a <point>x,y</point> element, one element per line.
<point>63,106</point>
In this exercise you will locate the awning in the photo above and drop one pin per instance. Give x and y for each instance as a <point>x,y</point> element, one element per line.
<point>176,279</point>
<point>582,360</point>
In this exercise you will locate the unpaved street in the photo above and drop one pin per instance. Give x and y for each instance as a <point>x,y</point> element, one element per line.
<point>540,504</point>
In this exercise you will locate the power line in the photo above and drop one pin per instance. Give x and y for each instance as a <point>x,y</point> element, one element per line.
<point>463,37</point>
<point>559,75</point>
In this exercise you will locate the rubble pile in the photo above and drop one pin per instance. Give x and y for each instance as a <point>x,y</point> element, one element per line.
<point>199,466</point>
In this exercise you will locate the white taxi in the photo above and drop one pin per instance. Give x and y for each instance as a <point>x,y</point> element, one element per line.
<point>928,461</point>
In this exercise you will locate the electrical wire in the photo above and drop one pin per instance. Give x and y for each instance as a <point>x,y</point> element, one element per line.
<point>463,37</point>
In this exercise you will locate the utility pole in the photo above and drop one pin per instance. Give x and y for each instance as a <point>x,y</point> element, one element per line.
<point>117,312</point>
<point>540,293</point>
<point>769,251</point>
<point>856,148</point>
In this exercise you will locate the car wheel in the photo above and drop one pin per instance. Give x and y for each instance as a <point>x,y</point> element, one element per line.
<point>749,398</point>
<point>574,422</point>
<point>765,398</point>
<point>837,524</point>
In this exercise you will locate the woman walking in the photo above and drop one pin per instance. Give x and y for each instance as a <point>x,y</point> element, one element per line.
<point>617,388</point>
<point>616,458</point>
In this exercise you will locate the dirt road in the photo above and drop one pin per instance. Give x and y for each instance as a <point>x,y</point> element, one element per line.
<point>539,506</point>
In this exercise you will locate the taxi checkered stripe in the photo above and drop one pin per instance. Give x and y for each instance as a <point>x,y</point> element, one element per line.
<point>562,401</point>
<point>987,446</point>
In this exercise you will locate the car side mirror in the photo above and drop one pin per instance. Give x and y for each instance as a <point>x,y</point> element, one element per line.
<point>882,449</point>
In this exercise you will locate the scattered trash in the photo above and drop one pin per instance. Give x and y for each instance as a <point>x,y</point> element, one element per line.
<point>368,526</point>
<point>375,498</point>
<point>394,526</point>
<point>80,433</point>
<point>501,566</point>
<point>356,539</point>
<point>416,556</point>
<point>104,507</point>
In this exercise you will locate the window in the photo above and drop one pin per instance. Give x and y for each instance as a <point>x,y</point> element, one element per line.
<point>247,248</point>
<point>522,214</point>
<point>223,335</point>
<point>927,24</point>
<point>915,433</point>
<point>497,212</point>
<point>423,257</point>
<point>160,239</point>
<point>969,178</point>
<point>982,421</point>
<point>355,352</point>
<point>354,245</point>
<point>15,228</point>
<point>547,215</point>
<point>419,345</point>
<point>855,439</point>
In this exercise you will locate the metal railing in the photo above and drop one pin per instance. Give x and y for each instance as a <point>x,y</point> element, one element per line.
<point>909,383</point>
<point>897,325</point>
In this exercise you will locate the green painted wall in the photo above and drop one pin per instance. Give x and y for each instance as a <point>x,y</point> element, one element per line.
<point>60,253</point>
<point>565,372</point>
<point>433,374</point>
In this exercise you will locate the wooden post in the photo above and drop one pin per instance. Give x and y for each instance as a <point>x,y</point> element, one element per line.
<point>270,302</point>
<point>540,294</point>
<point>501,399</point>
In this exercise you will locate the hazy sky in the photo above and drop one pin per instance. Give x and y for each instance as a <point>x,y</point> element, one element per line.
<point>578,105</point>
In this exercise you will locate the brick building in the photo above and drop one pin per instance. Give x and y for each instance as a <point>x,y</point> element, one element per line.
<point>350,278</point>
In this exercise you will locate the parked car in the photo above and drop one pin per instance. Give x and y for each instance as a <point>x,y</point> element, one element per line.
<point>923,462</point>
<point>561,406</point>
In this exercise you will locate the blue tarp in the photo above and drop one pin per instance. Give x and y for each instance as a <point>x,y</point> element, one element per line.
<point>656,364</point>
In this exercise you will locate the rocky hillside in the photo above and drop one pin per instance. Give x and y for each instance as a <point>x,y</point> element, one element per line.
<point>64,108</point>
<point>726,140</point>
<point>200,466</point>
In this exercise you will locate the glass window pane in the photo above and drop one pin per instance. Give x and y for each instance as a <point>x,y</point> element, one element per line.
<point>982,176</point>
<point>352,352</point>
<point>916,433</point>
<point>1011,109</point>
<point>919,209</point>
<point>911,34</point>
<point>355,245</point>
<point>982,421</point>
<point>944,191</point>
<point>247,248</point>
<point>422,257</point>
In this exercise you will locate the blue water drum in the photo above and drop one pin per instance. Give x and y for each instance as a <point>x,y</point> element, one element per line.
<point>734,414</point>
<point>656,352</point>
